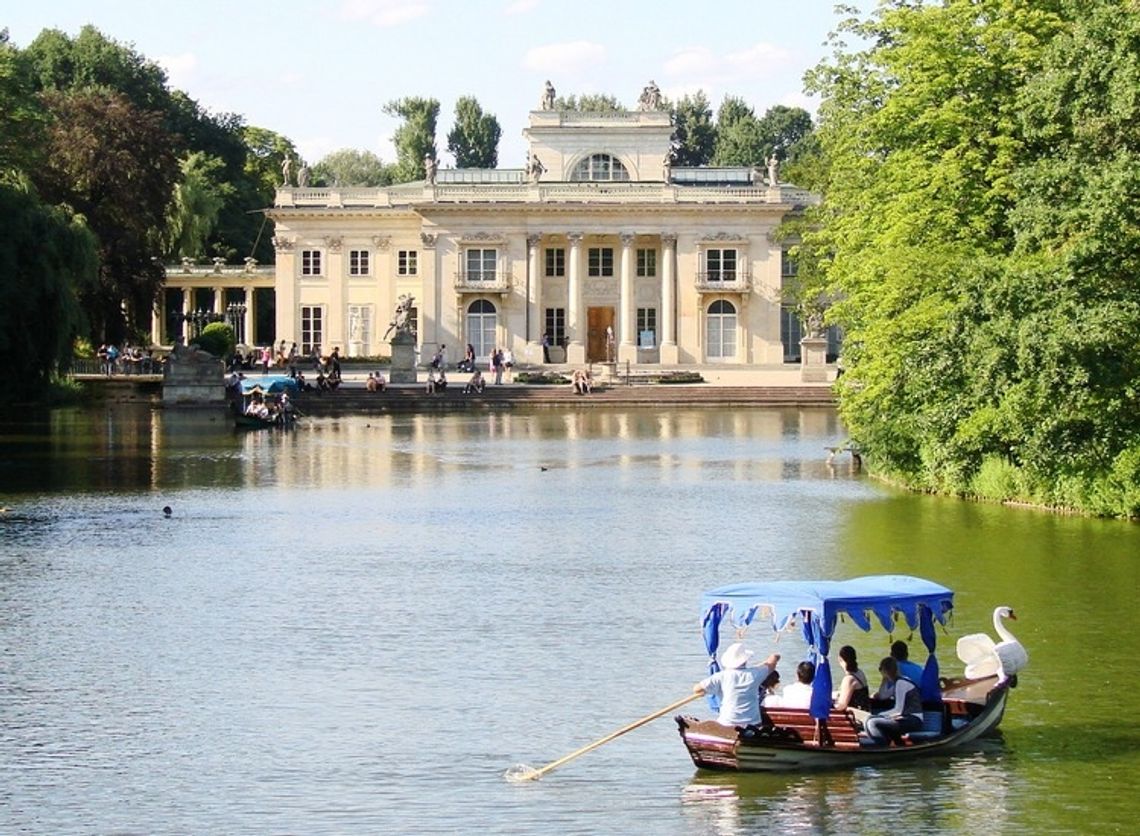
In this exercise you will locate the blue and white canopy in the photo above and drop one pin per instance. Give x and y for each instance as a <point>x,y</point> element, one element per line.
<point>818,606</point>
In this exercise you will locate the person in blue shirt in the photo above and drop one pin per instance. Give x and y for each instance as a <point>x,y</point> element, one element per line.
<point>906,669</point>
<point>737,685</point>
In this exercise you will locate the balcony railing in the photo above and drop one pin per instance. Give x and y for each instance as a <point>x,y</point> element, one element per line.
<point>498,281</point>
<point>724,281</point>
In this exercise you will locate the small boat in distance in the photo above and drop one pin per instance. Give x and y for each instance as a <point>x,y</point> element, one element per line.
<point>956,711</point>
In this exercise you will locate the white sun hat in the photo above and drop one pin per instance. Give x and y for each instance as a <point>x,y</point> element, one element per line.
<point>735,656</point>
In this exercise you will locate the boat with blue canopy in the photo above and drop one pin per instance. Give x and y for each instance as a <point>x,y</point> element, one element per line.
<point>956,711</point>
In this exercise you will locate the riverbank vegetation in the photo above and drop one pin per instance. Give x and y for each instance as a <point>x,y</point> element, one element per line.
<point>979,240</point>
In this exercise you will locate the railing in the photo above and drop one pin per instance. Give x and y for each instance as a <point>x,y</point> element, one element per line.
<point>723,281</point>
<point>497,282</point>
<point>121,366</point>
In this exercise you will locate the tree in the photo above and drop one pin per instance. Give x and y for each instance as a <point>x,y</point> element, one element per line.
<point>21,118</point>
<point>694,135</point>
<point>47,256</point>
<point>415,138</point>
<point>738,137</point>
<point>589,103</point>
<point>116,166</point>
<point>349,167</point>
<point>198,201</point>
<point>784,131</point>
<point>475,138</point>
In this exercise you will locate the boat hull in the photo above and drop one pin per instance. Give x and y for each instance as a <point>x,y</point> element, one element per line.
<point>716,747</point>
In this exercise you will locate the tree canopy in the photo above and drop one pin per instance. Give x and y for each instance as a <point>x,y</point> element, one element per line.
<point>349,167</point>
<point>979,233</point>
<point>415,138</point>
<point>474,141</point>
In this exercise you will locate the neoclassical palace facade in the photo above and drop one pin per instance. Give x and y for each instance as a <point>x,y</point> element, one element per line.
<point>598,245</point>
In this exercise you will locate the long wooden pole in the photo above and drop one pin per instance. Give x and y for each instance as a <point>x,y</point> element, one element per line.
<point>535,774</point>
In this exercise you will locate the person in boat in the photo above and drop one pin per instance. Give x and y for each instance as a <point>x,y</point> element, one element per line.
<point>904,715</point>
<point>737,685</point>
<point>768,695</point>
<point>798,694</point>
<point>854,692</point>
<point>900,653</point>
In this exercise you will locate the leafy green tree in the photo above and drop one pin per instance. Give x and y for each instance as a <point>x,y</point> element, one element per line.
<point>349,167</point>
<point>589,103</point>
<point>217,338</point>
<point>784,131</point>
<point>47,255</point>
<point>115,165</point>
<point>415,138</point>
<point>21,118</point>
<point>694,135</point>
<point>475,138</point>
<point>739,140</point>
<point>198,200</point>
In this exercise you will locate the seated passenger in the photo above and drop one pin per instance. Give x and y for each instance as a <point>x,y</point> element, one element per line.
<point>904,715</point>
<point>798,694</point>
<point>737,685</point>
<point>854,692</point>
<point>768,688</point>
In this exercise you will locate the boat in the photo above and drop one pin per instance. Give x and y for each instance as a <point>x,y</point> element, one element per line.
<point>957,711</point>
<point>280,413</point>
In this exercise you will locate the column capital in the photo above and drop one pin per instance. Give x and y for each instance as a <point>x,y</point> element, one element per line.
<point>669,239</point>
<point>575,238</point>
<point>533,239</point>
<point>381,242</point>
<point>627,239</point>
<point>429,238</point>
<point>334,243</point>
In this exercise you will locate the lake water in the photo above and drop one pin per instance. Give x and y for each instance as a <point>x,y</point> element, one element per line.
<point>361,625</point>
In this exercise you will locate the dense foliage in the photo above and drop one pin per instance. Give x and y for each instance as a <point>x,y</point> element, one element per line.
<point>980,233</point>
<point>415,138</point>
<point>474,141</point>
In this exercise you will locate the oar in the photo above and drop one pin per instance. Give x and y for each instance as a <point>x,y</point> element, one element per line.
<point>525,773</point>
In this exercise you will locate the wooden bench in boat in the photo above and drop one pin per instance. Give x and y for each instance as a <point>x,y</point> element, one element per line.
<point>840,729</point>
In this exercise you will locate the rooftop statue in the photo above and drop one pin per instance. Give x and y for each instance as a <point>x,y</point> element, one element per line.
<point>650,98</point>
<point>548,96</point>
<point>773,170</point>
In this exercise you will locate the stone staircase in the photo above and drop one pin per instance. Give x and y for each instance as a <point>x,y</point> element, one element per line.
<point>354,401</point>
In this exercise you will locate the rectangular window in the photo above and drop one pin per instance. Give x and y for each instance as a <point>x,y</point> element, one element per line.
<point>600,261</point>
<point>647,262</point>
<point>788,267</point>
<point>556,325</point>
<point>312,328</point>
<point>310,262</point>
<point>358,262</point>
<point>555,261</point>
<point>647,327</point>
<point>406,262</point>
<point>791,332</point>
<point>481,265</point>
<point>414,321</point>
<point>721,265</point>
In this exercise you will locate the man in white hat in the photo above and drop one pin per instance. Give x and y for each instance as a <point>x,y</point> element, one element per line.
<point>737,685</point>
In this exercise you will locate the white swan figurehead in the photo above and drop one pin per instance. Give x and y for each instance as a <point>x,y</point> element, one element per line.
<point>984,658</point>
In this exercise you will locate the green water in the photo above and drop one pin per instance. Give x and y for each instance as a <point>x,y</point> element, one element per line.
<point>361,625</point>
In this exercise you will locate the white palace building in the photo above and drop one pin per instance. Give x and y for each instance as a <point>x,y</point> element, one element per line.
<point>598,245</point>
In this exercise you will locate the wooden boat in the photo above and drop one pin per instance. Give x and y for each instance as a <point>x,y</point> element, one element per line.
<point>957,712</point>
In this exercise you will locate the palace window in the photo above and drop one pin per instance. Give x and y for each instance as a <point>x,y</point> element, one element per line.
<point>556,325</point>
<point>720,329</point>
<point>481,322</point>
<point>481,265</point>
<point>555,261</point>
<point>791,332</point>
<point>647,262</point>
<point>600,261</point>
<point>720,265</point>
<point>358,262</point>
<point>406,262</point>
<point>310,262</point>
<point>647,327</point>
<point>312,327</point>
<point>599,167</point>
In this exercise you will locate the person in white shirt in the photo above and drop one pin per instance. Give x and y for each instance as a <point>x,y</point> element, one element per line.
<point>798,694</point>
<point>737,685</point>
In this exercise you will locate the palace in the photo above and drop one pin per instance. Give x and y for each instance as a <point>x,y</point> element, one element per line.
<point>598,248</point>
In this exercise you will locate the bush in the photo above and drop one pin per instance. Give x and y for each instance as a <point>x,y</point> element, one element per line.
<point>542,378</point>
<point>997,480</point>
<point>217,338</point>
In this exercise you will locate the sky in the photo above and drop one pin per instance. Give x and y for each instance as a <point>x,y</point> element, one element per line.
<point>320,71</point>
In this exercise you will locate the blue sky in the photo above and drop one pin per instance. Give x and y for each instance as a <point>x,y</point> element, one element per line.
<point>320,71</point>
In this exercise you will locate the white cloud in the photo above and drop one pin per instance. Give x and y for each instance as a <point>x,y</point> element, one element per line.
<point>759,62</point>
<point>557,59</point>
<point>179,68</point>
<point>384,13</point>
<point>519,7</point>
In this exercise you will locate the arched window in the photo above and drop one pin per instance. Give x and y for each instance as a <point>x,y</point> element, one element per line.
<point>721,330</point>
<point>481,321</point>
<point>599,167</point>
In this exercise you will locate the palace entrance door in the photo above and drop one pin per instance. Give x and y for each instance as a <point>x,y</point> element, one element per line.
<point>597,321</point>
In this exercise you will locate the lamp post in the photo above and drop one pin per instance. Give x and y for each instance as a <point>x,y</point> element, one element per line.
<point>235,314</point>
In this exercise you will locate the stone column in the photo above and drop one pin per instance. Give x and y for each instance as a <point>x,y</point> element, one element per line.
<point>533,300</point>
<point>430,310</point>
<point>576,349</point>
<point>287,315</point>
<point>219,300</point>
<point>156,319</point>
<point>248,316</point>
<point>187,308</point>
<point>335,330</point>
<point>668,315</point>
<point>627,314</point>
